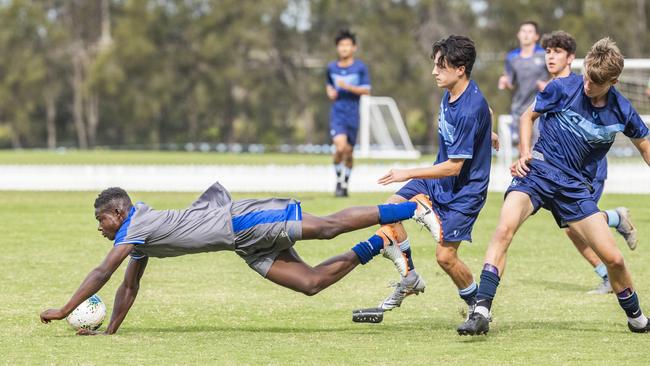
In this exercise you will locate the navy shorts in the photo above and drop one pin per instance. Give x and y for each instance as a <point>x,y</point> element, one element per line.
<point>456,226</point>
<point>568,198</point>
<point>345,128</point>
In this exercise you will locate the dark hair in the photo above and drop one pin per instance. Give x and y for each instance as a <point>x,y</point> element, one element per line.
<point>111,198</point>
<point>345,34</point>
<point>560,39</point>
<point>530,22</point>
<point>457,51</point>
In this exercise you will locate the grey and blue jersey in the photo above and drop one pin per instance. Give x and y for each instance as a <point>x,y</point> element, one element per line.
<point>524,72</point>
<point>257,230</point>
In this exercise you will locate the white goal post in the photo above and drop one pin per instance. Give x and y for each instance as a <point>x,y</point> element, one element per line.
<point>382,133</point>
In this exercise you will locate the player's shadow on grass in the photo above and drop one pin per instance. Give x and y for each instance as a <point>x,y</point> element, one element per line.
<point>557,285</point>
<point>225,328</point>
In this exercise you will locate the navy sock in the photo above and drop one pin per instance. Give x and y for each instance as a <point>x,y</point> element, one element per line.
<point>629,302</point>
<point>469,294</point>
<point>409,260</point>
<point>365,250</point>
<point>488,287</point>
<point>394,212</point>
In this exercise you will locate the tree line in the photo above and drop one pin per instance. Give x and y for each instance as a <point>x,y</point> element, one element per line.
<point>153,72</point>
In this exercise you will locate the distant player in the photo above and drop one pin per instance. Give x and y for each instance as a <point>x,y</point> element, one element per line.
<point>580,119</point>
<point>457,183</point>
<point>347,80</point>
<point>524,73</point>
<point>560,50</point>
<point>262,232</point>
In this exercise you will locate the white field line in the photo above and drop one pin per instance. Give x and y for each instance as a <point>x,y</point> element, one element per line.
<point>623,178</point>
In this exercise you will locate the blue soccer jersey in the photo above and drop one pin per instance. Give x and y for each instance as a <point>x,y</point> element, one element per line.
<point>465,129</point>
<point>576,135</point>
<point>345,109</point>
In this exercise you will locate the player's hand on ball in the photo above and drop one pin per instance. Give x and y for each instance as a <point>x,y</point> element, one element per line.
<point>394,175</point>
<point>495,141</point>
<point>88,332</point>
<point>52,314</point>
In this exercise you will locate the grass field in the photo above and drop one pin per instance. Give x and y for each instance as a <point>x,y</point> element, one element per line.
<point>121,157</point>
<point>212,309</point>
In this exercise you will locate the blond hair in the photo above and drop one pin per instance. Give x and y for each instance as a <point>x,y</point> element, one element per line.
<point>604,62</point>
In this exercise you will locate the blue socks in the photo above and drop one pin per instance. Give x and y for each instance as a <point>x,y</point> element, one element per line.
<point>601,271</point>
<point>488,288</point>
<point>613,219</point>
<point>395,212</point>
<point>469,294</point>
<point>365,250</point>
<point>630,304</point>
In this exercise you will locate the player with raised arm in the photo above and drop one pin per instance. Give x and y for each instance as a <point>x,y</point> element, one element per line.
<point>455,187</point>
<point>560,50</point>
<point>262,232</point>
<point>347,80</point>
<point>580,119</point>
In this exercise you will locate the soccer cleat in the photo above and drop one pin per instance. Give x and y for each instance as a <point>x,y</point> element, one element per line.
<point>476,324</point>
<point>409,285</point>
<point>392,251</point>
<point>427,217</point>
<point>340,192</point>
<point>645,329</point>
<point>625,227</point>
<point>370,315</point>
<point>603,289</point>
<point>470,310</point>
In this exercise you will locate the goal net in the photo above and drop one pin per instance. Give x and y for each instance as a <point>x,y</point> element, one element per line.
<point>382,133</point>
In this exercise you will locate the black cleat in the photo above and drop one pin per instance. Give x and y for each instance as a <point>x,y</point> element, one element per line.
<point>645,329</point>
<point>476,324</point>
<point>340,191</point>
<point>370,315</point>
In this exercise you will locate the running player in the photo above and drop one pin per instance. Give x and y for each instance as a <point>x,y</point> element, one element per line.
<point>347,80</point>
<point>580,121</point>
<point>455,187</point>
<point>560,50</point>
<point>262,232</point>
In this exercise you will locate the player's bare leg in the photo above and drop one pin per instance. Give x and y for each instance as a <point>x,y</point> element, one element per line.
<point>590,256</point>
<point>517,207</point>
<point>290,271</point>
<point>342,163</point>
<point>594,231</point>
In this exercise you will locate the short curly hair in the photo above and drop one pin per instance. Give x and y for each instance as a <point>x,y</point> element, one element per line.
<point>560,39</point>
<point>113,197</point>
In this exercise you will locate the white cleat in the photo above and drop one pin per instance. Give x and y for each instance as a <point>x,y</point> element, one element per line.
<point>426,216</point>
<point>413,284</point>
<point>625,227</point>
<point>392,251</point>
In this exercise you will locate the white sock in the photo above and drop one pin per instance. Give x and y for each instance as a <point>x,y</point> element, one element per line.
<point>483,311</point>
<point>639,322</point>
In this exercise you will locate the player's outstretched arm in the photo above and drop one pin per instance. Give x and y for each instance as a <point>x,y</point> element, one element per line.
<point>643,145</point>
<point>124,297</point>
<point>95,280</point>
<point>448,168</point>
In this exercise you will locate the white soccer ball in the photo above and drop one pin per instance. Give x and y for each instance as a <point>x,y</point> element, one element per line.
<point>89,315</point>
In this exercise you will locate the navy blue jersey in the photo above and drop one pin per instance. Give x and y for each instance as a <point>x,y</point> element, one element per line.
<point>576,135</point>
<point>345,109</point>
<point>465,128</point>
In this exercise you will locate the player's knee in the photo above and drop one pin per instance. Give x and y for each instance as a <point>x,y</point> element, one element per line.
<point>446,258</point>
<point>504,233</point>
<point>329,229</point>
<point>614,262</point>
<point>311,287</point>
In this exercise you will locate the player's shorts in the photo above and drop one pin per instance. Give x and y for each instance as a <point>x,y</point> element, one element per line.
<point>264,228</point>
<point>568,198</point>
<point>349,129</point>
<point>598,188</point>
<point>456,226</point>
